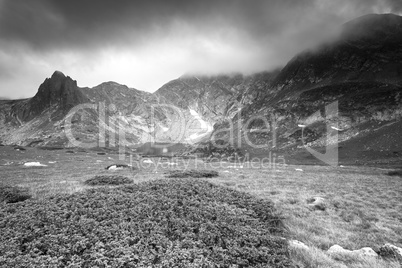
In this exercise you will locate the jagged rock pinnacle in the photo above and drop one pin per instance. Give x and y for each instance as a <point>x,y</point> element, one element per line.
<point>58,74</point>
<point>59,91</point>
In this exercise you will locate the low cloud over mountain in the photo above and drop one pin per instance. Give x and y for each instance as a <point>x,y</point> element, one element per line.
<point>145,43</point>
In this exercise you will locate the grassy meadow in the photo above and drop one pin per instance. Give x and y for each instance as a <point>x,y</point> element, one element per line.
<point>362,204</point>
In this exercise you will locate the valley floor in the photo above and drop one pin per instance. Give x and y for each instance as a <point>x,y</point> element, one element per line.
<point>361,205</point>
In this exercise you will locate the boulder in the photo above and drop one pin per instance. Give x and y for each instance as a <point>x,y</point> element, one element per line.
<point>117,166</point>
<point>363,252</point>
<point>294,244</point>
<point>366,252</point>
<point>34,164</point>
<point>147,161</point>
<point>336,249</point>
<point>317,203</point>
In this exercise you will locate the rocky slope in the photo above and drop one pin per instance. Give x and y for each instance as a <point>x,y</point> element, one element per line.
<point>91,115</point>
<point>183,110</point>
<point>368,49</point>
<point>216,97</point>
<point>361,72</point>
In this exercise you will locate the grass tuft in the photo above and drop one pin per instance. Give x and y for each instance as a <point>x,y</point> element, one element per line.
<point>192,174</point>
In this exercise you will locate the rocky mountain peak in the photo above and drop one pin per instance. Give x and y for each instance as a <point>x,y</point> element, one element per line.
<point>111,86</point>
<point>55,89</point>
<point>58,75</point>
<point>59,92</point>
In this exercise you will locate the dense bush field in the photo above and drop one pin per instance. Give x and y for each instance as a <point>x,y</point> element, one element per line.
<point>164,223</point>
<point>108,180</point>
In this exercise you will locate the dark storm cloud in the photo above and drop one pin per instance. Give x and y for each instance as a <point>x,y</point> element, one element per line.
<point>43,24</point>
<point>168,37</point>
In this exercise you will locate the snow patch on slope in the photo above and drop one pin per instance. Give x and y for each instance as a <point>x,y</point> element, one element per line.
<point>205,127</point>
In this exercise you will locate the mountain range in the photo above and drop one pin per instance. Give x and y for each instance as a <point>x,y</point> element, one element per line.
<point>359,73</point>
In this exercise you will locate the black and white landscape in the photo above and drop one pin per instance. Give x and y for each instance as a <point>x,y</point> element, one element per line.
<point>241,134</point>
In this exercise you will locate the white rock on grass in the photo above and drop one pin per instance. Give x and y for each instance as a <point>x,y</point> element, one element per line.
<point>366,252</point>
<point>117,167</point>
<point>363,252</point>
<point>114,167</point>
<point>34,164</point>
<point>337,249</point>
<point>297,245</point>
<point>317,203</point>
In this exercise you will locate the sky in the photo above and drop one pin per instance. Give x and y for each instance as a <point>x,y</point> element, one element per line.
<point>144,44</point>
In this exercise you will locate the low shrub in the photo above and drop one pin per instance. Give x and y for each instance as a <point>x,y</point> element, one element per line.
<point>108,180</point>
<point>13,194</point>
<point>192,174</point>
<point>395,173</point>
<point>390,253</point>
<point>164,223</point>
<point>50,148</point>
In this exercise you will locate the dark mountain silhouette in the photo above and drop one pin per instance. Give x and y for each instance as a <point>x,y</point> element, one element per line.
<point>59,92</point>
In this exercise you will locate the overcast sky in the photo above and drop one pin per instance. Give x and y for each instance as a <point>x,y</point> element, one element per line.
<point>144,44</point>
